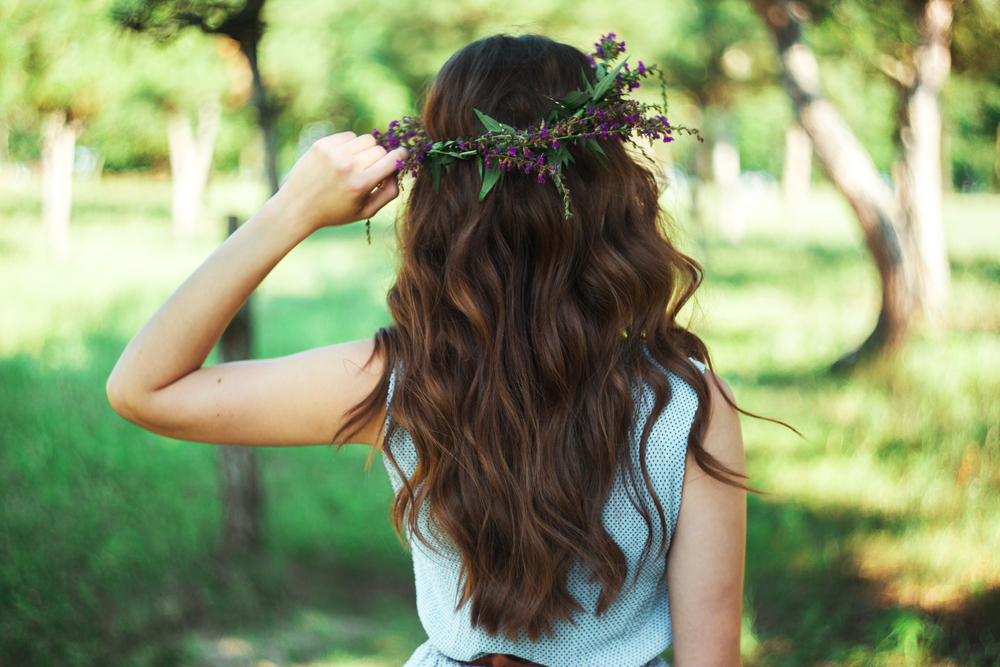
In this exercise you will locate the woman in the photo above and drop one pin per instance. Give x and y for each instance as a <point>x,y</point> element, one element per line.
<point>541,411</point>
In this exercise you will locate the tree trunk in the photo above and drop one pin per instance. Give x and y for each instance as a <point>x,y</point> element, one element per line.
<point>698,178</point>
<point>239,474</point>
<point>726,174</point>
<point>851,169</point>
<point>58,144</point>
<point>796,173</point>
<point>265,113</point>
<point>921,139</point>
<point>190,162</point>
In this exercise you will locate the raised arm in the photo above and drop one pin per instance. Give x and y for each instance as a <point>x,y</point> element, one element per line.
<point>705,561</point>
<point>160,383</point>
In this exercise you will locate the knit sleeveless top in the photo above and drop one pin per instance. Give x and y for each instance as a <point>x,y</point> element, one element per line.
<point>634,630</point>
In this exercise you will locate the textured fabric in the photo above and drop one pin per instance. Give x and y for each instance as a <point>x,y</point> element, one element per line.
<point>636,628</point>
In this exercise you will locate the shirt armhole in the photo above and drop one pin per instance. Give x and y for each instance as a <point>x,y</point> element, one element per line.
<point>388,402</point>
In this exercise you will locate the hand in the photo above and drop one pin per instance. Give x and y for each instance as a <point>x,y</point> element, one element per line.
<point>341,179</point>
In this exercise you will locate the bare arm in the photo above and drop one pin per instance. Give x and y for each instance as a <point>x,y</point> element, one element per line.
<point>160,383</point>
<point>705,561</point>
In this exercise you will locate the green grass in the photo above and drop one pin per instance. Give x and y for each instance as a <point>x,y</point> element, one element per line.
<point>876,541</point>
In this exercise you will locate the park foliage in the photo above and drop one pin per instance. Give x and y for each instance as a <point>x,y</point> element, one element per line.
<point>875,543</point>
<point>351,67</point>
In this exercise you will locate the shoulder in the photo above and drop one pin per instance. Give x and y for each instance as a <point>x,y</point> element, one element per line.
<point>723,435</point>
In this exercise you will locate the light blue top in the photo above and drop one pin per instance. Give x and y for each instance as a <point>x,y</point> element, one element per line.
<point>636,628</point>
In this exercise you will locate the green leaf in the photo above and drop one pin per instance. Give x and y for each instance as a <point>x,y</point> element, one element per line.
<point>596,147</point>
<point>490,178</point>
<point>604,84</point>
<point>479,164</point>
<point>592,145</point>
<point>576,99</point>
<point>563,156</point>
<point>492,125</point>
<point>436,174</point>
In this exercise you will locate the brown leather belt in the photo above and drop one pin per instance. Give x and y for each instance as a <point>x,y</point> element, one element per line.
<point>501,660</point>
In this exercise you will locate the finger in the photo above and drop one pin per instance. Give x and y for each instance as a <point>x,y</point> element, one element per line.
<point>357,145</point>
<point>339,138</point>
<point>385,166</point>
<point>386,192</point>
<point>368,157</point>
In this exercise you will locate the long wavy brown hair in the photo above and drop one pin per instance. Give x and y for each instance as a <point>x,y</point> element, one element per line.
<point>520,340</point>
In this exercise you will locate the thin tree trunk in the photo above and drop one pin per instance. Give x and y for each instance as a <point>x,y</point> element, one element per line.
<point>796,173</point>
<point>180,144</point>
<point>921,138</point>
<point>239,473</point>
<point>701,172</point>
<point>265,113</point>
<point>58,144</point>
<point>190,162</point>
<point>851,169</point>
<point>726,174</point>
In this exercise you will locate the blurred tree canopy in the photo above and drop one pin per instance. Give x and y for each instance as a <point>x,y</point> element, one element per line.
<point>238,20</point>
<point>877,41</point>
<point>359,64</point>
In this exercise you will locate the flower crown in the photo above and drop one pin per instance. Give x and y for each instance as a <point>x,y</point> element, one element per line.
<point>580,118</point>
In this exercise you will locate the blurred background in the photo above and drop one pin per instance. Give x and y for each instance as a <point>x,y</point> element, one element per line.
<point>844,205</point>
